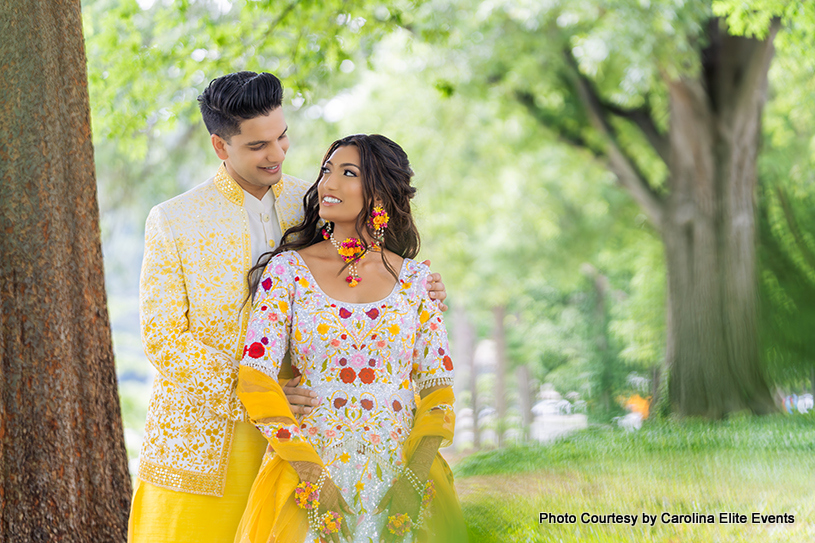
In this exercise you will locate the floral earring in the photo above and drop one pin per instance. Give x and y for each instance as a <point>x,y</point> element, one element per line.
<point>327,229</point>
<point>378,223</point>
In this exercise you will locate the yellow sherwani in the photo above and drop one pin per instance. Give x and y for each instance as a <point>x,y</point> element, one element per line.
<point>193,319</point>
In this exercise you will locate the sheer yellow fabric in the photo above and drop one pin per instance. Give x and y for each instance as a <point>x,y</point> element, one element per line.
<point>271,514</point>
<point>435,417</point>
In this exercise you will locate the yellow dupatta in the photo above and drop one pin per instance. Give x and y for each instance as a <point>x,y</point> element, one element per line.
<point>435,417</point>
<point>271,508</point>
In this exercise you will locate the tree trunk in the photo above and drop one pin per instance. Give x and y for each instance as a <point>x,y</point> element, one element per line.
<point>474,393</point>
<point>464,344</point>
<point>709,231</point>
<point>605,356</point>
<point>525,400</point>
<point>63,463</point>
<point>499,333</point>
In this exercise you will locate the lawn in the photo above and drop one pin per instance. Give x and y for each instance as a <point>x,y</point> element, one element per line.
<point>762,465</point>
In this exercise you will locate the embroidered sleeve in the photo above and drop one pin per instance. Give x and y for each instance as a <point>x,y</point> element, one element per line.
<point>432,365</point>
<point>270,323</point>
<point>206,374</point>
<point>267,339</point>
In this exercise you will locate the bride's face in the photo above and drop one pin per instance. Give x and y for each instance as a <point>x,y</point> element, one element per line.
<point>340,186</point>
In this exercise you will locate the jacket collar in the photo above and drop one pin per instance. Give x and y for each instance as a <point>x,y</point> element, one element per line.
<point>228,187</point>
<point>233,192</point>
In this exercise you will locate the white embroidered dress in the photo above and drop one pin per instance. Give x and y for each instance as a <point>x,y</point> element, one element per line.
<point>363,360</point>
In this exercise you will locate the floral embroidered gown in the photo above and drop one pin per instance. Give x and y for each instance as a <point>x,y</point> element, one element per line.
<point>364,361</point>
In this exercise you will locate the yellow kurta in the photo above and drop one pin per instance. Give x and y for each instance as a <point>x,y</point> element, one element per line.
<point>161,515</point>
<point>199,456</point>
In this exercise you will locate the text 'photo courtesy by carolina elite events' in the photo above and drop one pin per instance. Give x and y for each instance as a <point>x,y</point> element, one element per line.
<point>666,517</point>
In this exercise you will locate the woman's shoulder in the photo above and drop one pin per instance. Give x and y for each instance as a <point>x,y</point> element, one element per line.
<point>414,272</point>
<point>281,263</point>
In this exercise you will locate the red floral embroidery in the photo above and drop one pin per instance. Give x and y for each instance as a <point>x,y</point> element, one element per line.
<point>256,350</point>
<point>348,375</point>
<point>283,433</point>
<point>367,404</point>
<point>339,403</point>
<point>343,361</point>
<point>448,363</point>
<point>397,406</point>
<point>373,313</point>
<point>267,284</point>
<point>344,313</point>
<point>367,375</point>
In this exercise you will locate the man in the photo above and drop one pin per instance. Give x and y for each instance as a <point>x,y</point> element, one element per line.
<point>200,454</point>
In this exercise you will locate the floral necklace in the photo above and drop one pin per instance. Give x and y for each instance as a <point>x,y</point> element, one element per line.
<point>348,250</point>
<point>352,247</point>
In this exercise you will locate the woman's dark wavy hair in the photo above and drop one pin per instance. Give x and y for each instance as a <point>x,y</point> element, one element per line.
<point>385,174</point>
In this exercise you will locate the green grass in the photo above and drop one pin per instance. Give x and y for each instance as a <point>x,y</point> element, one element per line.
<point>746,465</point>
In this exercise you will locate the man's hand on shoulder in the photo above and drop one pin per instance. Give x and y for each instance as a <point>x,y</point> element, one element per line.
<point>435,288</point>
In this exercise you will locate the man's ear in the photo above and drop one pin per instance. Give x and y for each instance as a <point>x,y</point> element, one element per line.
<point>219,144</point>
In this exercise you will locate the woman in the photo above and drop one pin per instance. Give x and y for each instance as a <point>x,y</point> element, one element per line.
<point>363,333</point>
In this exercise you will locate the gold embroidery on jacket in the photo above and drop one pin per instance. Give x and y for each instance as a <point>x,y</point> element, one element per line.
<point>193,320</point>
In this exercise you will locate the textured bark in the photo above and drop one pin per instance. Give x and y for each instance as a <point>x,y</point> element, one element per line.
<point>63,465</point>
<point>709,231</point>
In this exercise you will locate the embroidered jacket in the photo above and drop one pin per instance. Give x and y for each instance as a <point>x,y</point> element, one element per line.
<point>193,321</point>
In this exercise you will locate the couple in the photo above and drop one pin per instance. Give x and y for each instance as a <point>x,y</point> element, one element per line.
<point>342,296</point>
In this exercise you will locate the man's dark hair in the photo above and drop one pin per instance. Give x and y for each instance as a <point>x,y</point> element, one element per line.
<point>233,98</point>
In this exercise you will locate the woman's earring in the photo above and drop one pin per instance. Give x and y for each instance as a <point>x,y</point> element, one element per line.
<point>378,223</point>
<point>327,230</point>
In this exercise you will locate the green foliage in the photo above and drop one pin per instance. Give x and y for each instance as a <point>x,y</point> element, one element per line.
<point>511,211</point>
<point>774,434</point>
<point>743,465</point>
<point>753,18</point>
<point>786,218</point>
<point>147,65</point>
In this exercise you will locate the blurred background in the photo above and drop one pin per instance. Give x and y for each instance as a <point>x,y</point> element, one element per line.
<point>540,132</point>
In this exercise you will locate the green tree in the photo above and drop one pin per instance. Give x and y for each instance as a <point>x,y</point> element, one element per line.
<point>669,97</point>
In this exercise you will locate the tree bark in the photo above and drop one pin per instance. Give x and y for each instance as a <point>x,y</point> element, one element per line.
<point>709,231</point>
<point>63,464</point>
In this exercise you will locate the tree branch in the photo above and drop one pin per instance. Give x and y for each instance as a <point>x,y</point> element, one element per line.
<point>619,162</point>
<point>552,121</point>
<point>642,118</point>
<point>756,68</point>
<point>285,13</point>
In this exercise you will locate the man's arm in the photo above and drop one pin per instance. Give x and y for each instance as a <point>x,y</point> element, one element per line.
<point>208,376</point>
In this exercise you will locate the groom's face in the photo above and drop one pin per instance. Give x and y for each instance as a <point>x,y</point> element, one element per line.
<point>254,158</point>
